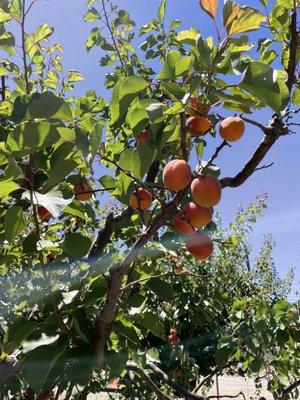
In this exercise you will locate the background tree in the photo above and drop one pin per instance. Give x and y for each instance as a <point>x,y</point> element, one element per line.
<point>82,278</point>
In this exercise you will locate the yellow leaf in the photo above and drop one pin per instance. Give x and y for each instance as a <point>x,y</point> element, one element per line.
<point>210,7</point>
<point>243,19</point>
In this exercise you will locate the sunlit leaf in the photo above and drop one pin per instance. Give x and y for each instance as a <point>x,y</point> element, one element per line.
<point>210,7</point>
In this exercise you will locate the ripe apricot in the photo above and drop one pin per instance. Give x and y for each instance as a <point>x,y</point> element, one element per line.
<point>83,191</point>
<point>200,246</point>
<point>206,191</point>
<point>196,215</point>
<point>195,107</point>
<point>43,213</point>
<point>198,126</point>
<point>232,129</point>
<point>182,226</point>
<point>143,137</point>
<point>177,175</point>
<point>179,373</point>
<point>141,199</point>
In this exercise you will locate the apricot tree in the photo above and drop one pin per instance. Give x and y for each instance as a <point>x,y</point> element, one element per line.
<point>67,260</point>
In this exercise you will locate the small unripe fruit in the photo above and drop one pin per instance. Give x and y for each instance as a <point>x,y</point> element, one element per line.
<point>177,175</point>
<point>43,213</point>
<point>141,199</point>
<point>182,226</point>
<point>198,126</point>
<point>83,191</point>
<point>197,215</point>
<point>232,129</point>
<point>206,191</point>
<point>143,137</point>
<point>200,246</point>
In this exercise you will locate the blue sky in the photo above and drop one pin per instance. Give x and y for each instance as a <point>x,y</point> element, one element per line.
<point>281,182</point>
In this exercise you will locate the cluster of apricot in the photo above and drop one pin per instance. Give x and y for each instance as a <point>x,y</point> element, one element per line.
<point>173,337</point>
<point>205,190</point>
<point>82,192</point>
<point>231,128</point>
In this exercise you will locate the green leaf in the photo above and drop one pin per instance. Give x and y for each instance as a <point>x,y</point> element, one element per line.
<point>125,91</point>
<point>76,210</point>
<point>116,362</point>
<point>14,222</point>
<point>35,371</point>
<point>53,201</point>
<point>32,42</point>
<point>75,76</point>
<point>225,349</point>
<point>7,186</point>
<point>161,288</point>
<point>262,82</point>
<point>168,70</point>
<point>162,10</point>
<point>7,41</point>
<point>152,323</point>
<point>91,15</point>
<point>127,329</point>
<point>141,159</point>
<point>29,137</point>
<point>48,105</point>
<point>6,108</point>
<point>4,12</point>
<point>76,245</point>
<point>188,36</point>
<point>59,171</point>
<point>137,116</point>
<point>184,65</point>
<point>16,333</point>
<point>203,52</point>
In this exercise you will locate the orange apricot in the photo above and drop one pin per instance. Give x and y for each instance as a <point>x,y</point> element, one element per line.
<point>182,226</point>
<point>196,215</point>
<point>232,129</point>
<point>206,191</point>
<point>195,107</point>
<point>177,175</point>
<point>43,213</point>
<point>179,373</point>
<point>83,191</point>
<point>198,126</point>
<point>143,137</point>
<point>141,199</point>
<point>200,246</point>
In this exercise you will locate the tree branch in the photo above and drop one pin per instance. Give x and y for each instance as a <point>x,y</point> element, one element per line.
<point>292,64</point>
<point>173,384</point>
<point>184,150</point>
<point>113,37</point>
<point>23,47</point>
<point>160,395</point>
<point>288,390</point>
<point>106,317</point>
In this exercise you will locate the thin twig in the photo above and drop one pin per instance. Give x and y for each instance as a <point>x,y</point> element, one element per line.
<point>23,47</point>
<point>265,166</point>
<point>184,150</point>
<point>113,37</point>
